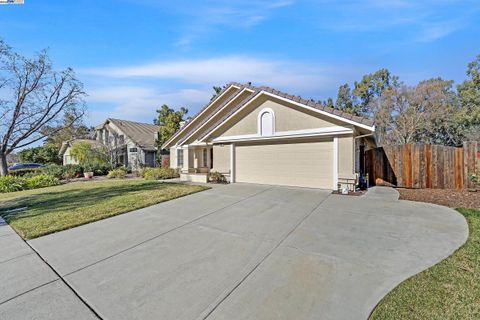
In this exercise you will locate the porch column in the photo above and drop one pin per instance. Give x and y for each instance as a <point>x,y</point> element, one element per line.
<point>335,163</point>
<point>209,157</point>
<point>232,163</point>
<point>186,159</point>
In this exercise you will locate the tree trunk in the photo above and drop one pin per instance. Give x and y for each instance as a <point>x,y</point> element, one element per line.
<point>3,164</point>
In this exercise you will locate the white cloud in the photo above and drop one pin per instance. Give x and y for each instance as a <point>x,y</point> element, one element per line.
<point>221,70</point>
<point>140,103</point>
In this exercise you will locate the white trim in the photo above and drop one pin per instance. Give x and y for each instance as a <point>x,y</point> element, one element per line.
<point>259,120</point>
<point>232,163</point>
<point>337,130</point>
<point>372,128</point>
<point>203,111</point>
<point>335,163</point>
<point>227,104</point>
<point>328,114</point>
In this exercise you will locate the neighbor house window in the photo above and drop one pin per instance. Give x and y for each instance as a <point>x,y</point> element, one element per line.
<point>180,158</point>
<point>205,153</point>
<point>133,150</point>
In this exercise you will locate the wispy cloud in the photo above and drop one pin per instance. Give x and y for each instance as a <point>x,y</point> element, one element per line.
<point>219,70</point>
<point>140,103</point>
<point>205,17</point>
<point>417,21</point>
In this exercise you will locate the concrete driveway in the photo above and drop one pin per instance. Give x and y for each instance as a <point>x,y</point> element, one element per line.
<point>252,252</point>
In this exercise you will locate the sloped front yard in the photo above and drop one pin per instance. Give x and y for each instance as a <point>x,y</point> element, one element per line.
<point>34,213</point>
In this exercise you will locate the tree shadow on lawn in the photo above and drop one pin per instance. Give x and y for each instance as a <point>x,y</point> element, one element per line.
<point>71,199</point>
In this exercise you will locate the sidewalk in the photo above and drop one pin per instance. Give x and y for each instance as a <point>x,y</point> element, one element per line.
<point>29,289</point>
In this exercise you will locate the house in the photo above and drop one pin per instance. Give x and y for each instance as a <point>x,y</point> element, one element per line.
<point>128,143</point>
<point>261,135</point>
<point>66,147</point>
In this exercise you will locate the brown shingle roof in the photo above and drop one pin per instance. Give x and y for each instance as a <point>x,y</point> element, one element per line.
<point>143,134</point>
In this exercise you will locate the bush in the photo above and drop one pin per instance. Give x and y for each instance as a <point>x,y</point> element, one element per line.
<point>159,173</point>
<point>68,171</point>
<point>15,183</point>
<point>42,181</point>
<point>12,183</point>
<point>26,172</point>
<point>216,177</point>
<point>118,173</point>
<point>101,169</point>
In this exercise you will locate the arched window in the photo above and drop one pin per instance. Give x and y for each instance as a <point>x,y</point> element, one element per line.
<point>266,122</point>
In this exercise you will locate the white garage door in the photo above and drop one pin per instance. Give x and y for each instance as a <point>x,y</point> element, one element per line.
<point>307,164</point>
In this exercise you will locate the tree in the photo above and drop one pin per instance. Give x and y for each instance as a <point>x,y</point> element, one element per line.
<point>369,88</point>
<point>88,155</point>
<point>344,100</point>
<point>469,95</point>
<point>422,113</point>
<point>37,96</point>
<point>169,122</point>
<point>69,129</point>
<point>48,153</point>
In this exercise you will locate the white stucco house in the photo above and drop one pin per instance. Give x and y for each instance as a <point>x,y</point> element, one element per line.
<point>261,135</point>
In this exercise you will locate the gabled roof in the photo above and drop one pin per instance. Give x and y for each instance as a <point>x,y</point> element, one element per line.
<point>143,134</point>
<point>189,126</point>
<point>256,91</point>
<point>66,144</point>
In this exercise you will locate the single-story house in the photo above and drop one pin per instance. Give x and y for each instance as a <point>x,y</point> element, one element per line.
<point>261,135</point>
<point>128,143</point>
<point>67,145</point>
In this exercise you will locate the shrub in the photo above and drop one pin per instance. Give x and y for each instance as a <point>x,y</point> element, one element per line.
<point>101,169</point>
<point>475,176</point>
<point>68,171</point>
<point>12,183</point>
<point>216,177</point>
<point>26,172</point>
<point>159,173</point>
<point>118,173</point>
<point>42,181</point>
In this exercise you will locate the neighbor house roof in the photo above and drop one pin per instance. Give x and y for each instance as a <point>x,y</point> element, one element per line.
<point>69,143</point>
<point>143,134</point>
<point>255,91</point>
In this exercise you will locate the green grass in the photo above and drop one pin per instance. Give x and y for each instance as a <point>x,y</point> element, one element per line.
<point>52,209</point>
<point>448,290</point>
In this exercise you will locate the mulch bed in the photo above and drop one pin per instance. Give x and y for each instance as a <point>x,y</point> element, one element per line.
<point>444,197</point>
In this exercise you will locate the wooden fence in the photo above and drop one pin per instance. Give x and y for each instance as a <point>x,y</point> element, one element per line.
<point>423,166</point>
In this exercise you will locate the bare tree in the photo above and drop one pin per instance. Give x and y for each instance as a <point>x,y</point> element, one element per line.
<point>36,96</point>
<point>423,113</point>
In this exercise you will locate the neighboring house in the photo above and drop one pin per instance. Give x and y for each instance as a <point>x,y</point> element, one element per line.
<point>260,135</point>
<point>67,145</point>
<point>131,144</point>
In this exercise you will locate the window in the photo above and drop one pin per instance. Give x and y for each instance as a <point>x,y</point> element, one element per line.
<point>121,139</point>
<point>266,122</point>
<point>180,158</point>
<point>205,154</point>
<point>132,150</point>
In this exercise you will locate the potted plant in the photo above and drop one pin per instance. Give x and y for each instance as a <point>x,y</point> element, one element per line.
<point>88,171</point>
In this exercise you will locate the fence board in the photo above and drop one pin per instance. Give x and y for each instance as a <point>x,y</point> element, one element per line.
<point>423,166</point>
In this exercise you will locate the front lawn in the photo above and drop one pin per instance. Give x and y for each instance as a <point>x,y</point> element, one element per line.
<point>448,290</point>
<point>38,212</point>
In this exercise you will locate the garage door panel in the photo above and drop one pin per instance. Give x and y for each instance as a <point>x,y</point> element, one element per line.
<point>306,164</point>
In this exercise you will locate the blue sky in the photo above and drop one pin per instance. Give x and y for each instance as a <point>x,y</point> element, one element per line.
<point>134,56</point>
